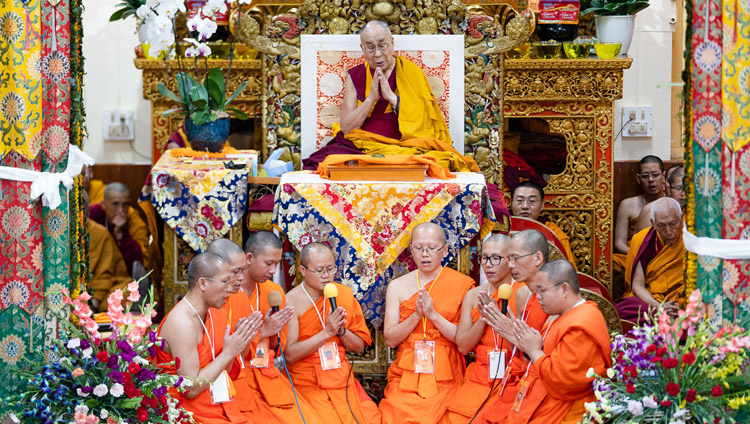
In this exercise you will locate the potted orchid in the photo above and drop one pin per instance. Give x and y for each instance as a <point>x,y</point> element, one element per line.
<point>204,104</point>
<point>91,376</point>
<point>674,370</point>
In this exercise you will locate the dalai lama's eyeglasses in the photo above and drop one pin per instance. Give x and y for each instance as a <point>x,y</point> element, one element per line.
<point>371,48</point>
<point>492,260</point>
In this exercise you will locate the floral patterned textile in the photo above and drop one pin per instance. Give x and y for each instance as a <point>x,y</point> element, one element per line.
<point>200,199</point>
<point>368,224</point>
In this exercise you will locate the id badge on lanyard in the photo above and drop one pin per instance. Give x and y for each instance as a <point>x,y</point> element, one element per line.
<point>261,355</point>
<point>497,364</point>
<point>329,356</point>
<point>221,389</point>
<point>424,357</point>
<point>523,388</point>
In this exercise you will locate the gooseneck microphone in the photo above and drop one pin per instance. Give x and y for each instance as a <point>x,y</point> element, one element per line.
<point>274,300</point>
<point>505,291</point>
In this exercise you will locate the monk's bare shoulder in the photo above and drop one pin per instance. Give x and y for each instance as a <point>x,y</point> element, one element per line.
<point>402,287</point>
<point>631,207</point>
<point>295,299</point>
<point>179,327</point>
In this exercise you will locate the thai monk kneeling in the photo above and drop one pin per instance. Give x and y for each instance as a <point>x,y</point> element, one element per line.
<point>317,340</point>
<point>422,311</point>
<point>555,385</point>
<point>197,332</point>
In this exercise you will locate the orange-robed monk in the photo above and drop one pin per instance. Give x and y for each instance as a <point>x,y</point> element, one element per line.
<point>197,333</point>
<point>263,393</point>
<point>422,311</point>
<point>574,339</point>
<point>480,304</point>
<point>317,340</point>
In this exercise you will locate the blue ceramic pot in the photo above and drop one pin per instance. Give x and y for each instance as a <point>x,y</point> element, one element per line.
<point>210,136</point>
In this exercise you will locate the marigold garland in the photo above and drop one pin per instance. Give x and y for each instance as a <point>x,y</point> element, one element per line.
<point>187,152</point>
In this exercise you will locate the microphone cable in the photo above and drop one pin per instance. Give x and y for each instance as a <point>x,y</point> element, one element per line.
<point>348,375</point>
<point>286,368</point>
<point>492,386</point>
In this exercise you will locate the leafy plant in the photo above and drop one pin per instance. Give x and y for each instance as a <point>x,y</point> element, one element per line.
<point>613,7</point>
<point>204,102</point>
<point>126,9</point>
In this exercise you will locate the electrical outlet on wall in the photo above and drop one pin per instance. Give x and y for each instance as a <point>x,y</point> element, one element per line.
<point>118,125</point>
<point>637,122</point>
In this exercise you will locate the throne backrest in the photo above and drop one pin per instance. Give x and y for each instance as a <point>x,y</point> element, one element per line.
<point>324,62</point>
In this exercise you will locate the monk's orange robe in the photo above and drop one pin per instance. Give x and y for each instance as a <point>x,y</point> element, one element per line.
<point>664,272</point>
<point>564,240</point>
<point>576,341</point>
<point>476,384</point>
<point>497,411</point>
<point>204,411</point>
<point>423,398</point>
<point>108,270</point>
<point>326,391</point>
<point>96,191</point>
<point>268,396</point>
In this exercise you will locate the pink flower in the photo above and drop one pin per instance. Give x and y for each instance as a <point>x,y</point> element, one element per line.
<point>92,419</point>
<point>84,297</point>
<point>133,289</point>
<point>77,372</point>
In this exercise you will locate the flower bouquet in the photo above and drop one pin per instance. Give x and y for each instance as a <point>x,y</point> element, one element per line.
<point>90,377</point>
<point>673,370</point>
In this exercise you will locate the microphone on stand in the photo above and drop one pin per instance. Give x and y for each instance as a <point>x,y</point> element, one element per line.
<point>330,292</point>
<point>505,291</point>
<point>274,300</point>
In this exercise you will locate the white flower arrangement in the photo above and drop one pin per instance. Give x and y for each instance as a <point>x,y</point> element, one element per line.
<point>158,18</point>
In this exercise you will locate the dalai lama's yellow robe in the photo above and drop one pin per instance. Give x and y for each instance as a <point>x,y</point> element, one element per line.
<point>420,121</point>
<point>108,270</point>
<point>664,272</point>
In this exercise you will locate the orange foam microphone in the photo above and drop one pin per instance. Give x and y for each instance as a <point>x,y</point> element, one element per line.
<point>274,300</point>
<point>505,291</point>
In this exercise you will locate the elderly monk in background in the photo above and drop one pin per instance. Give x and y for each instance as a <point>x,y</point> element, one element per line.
<point>574,339</point>
<point>389,109</point>
<point>237,307</point>
<point>422,311</point>
<point>475,335</point>
<point>130,232</point>
<point>317,340</point>
<point>527,200</point>
<point>672,188</point>
<point>528,251</point>
<point>655,265</point>
<point>254,268</point>
<point>108,271</point>
<point>197,332</point>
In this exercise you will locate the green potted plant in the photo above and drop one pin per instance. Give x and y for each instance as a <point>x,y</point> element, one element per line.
<point>615,19</point>
<point>205,107</point>
<point>126,9</point>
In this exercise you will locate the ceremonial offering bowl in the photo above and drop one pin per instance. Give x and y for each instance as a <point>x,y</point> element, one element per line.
<point>578,49</point>
<point>607,49</point>
<point>546,49</point>
<point>520,52</point>
<point>209,137</point>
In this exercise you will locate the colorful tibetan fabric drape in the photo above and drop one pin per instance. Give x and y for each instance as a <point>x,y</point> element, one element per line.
<point>717,155</point>
<point>40,98</point>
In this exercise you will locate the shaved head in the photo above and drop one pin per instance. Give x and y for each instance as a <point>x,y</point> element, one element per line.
<point>225,248</point>
<point>666,206</point>
<point>430,229</point>
<point>116,188</point>
<point>204,265</point>
<point>561,271</point>
<point>533,241</point>
<point>650,159</point>
<point>675,174</point>
<point>373,25</point>
<point>497,238</point>
<point>308,250</point>
<point>261,241</point>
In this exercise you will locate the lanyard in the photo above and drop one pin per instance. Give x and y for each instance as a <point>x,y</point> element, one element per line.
<point>321,318</point>
<point>257,297</point>
<point>210,338</point>
<point>419,287</point>
<point>495,336</point>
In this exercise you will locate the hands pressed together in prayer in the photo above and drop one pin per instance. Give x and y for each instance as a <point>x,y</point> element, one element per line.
<point>528,339</point>
<point>335,321</point>
<point>274,323</point>
<point>380,87</point>
<point>425,307</point>
<point>671,308</point>
<point>247,328</point>
<point>493,316</point>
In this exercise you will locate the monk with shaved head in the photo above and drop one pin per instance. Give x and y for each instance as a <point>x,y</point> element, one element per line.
<point>197,332</point>
<point>556,383</point>
<point>318,338</point>
<point>126,227</point>
<point>422,312</point>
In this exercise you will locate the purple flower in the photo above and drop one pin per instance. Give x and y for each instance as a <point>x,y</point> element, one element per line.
<point>144,374</point>
<point>161,344</point>
<point>116,376</point>
<point>152,351</point>
<point>178,383</point>
<point>87,389</point>
<point>160,391</point>
<point>112,363</point>
<point>127,356</point>
<point>124,346</point>
<point>152,336</point>
<point>85,344</point>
